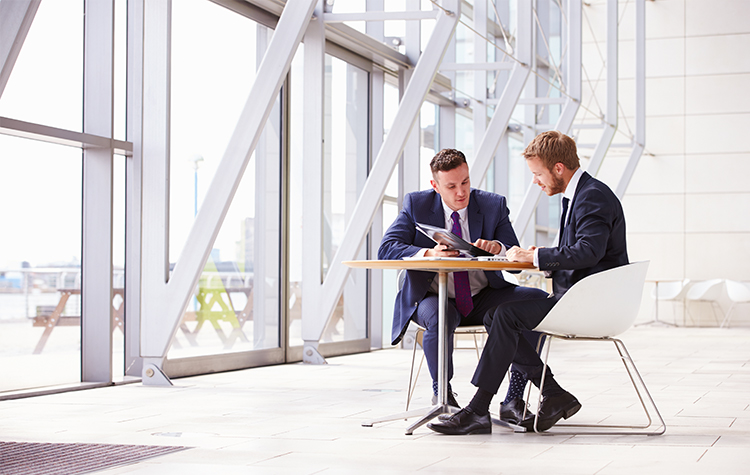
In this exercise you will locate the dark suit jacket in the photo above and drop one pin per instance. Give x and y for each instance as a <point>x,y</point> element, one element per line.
<point>593,239</point>
<point>488,219</point>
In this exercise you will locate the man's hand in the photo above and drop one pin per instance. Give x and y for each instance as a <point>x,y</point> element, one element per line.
<point>493,247</point>
<point>441,250</point>
<point>516,254</point>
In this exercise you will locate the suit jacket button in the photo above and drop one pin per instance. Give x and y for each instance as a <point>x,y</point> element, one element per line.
<point>416,304</point>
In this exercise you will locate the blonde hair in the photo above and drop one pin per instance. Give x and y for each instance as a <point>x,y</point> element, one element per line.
<point>553,147</point>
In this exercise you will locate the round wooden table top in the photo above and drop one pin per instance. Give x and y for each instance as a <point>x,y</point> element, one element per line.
<point>438,265</point>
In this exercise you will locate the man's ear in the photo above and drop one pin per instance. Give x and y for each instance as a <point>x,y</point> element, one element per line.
<point>434,186</point>
<point>559,168</point>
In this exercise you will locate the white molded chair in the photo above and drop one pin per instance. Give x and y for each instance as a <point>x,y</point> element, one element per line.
<point>738,293</point>
<point>708,291</point>
<point>598,308</point>
<point>671,291</point>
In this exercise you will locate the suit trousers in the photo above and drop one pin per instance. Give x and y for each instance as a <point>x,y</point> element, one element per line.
<point>505,344</point>
<point>485,302</point>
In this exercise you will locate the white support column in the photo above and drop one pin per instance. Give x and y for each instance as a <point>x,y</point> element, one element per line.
<point>377,104</point>
<point>265,245</point>
<point>639,140</point>
<point>96,262</point>
<point>154,161</point>
<point>164,302</point>
<point>522,216</point>
<point>610,113</point>
<point>16,17</point>
<point>355,289</point>
<point>312,186</point>
<point>372,193</point>
<point>133,180</point>
<point>498,125</point>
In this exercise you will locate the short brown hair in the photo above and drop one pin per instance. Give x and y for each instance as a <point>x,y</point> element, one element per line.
<point>446,160</point>
<point>553,147</point>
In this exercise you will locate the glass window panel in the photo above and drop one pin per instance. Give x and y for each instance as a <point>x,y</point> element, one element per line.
<point>390,108</point>
<point>351,6</point>
<point>236,304</point>
<point>118,264</point>
<point>390,279</point>
<point>120,75</point>
<point>517,182</point>
<point>465,133</point>
<point>213,69</point>
<point>46,85</point>
<point>428,146</point>
<point>345,165</point>
<point>39,260</point>
<point>296,179</point>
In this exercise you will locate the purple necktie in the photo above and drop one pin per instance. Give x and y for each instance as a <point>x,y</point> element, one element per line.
<point>461,279</point>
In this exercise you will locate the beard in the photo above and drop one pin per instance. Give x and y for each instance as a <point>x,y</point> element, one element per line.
<point>557,185</point>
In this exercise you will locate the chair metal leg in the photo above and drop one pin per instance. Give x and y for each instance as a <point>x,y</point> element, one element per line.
<point>638,385</point>
<point>414,377</point>
<point>412,381</point>
<point>727,316</point>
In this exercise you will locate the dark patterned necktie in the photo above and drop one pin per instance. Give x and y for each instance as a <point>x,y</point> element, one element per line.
<point>564,213</point>
<point>464,303</point>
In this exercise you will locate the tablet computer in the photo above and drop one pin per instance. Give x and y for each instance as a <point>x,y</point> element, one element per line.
<point>447,238</point>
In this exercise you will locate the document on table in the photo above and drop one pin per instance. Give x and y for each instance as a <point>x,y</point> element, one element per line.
<point>447,238</point>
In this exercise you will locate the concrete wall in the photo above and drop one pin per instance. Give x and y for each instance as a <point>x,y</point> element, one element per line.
<point>688,205</point>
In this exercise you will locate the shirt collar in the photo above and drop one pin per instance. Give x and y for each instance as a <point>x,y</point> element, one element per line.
<point>449,212</point>
<point>570,190</point>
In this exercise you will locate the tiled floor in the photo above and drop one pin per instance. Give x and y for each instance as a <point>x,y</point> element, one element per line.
<point>300,419</point>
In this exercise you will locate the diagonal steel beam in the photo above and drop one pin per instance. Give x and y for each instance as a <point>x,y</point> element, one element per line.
<point>164,302</point>
<point>374,188</point>
<point>522,216</point>
<point>16,17</point>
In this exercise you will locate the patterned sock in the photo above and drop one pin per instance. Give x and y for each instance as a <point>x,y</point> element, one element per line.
<point>516,386</point>
<point>480,403</point>
<point>435,388</point>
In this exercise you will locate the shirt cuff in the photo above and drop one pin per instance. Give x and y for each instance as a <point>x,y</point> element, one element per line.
<point>502,249</point>
<point>421,253</point>
<point>536,258</point>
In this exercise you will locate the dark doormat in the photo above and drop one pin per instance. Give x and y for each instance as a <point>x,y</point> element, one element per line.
<point>27,458</point>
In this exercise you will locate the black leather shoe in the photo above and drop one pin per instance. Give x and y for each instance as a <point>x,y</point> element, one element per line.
<point>451,402</point>
<point>464,422</point>
<point>512,413</point>
<point>553,409</point>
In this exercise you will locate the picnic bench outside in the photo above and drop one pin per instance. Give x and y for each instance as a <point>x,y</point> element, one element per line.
<point>56,319</point>
<point>214,301</point>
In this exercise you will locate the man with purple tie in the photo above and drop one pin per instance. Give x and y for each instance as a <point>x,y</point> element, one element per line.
<point>477,216</point>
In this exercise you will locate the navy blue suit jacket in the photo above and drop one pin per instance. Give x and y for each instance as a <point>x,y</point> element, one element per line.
<point>488,219</point>
<point>593,239</point>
